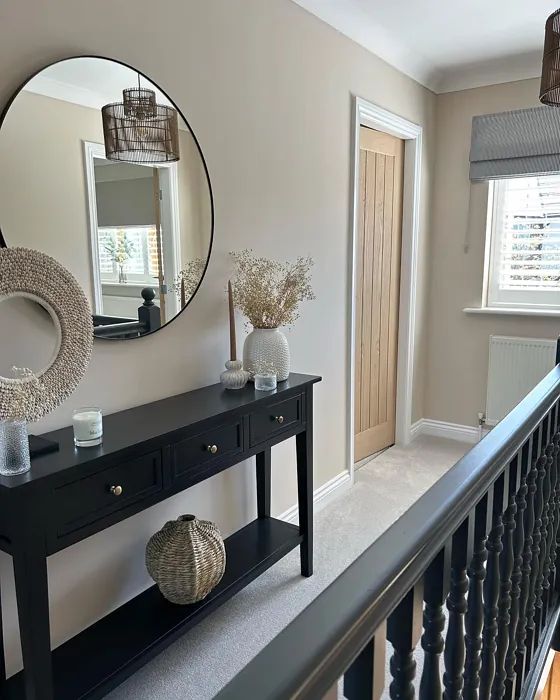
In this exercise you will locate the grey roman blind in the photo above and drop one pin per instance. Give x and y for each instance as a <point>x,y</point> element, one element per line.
<point>523,142</point>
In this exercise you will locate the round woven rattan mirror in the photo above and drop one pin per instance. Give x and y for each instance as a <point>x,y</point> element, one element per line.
<point>38,277</point>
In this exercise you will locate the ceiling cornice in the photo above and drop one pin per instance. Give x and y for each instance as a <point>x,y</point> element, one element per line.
<point>381,43</point>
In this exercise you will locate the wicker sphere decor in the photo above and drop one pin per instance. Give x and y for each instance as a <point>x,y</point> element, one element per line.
<point>550,77</point>
<point>186,559</point>
<point>36,276</point>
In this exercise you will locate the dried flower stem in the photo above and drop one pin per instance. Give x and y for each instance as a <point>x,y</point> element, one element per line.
<point>188,279</point>
<point>25,377</point>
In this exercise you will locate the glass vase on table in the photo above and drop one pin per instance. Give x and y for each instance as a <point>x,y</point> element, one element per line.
<point>14,447</point>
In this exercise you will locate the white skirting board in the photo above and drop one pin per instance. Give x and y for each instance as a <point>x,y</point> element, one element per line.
<point>451,431</point>
<point>322,496</point>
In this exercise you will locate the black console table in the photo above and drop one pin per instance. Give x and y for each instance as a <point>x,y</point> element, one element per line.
<point>149,453</point>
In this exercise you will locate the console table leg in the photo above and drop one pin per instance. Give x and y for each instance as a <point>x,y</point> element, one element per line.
<point>2,656</point>
<point>30,571</point>
<point>304,449</point>
<point>263,483</point>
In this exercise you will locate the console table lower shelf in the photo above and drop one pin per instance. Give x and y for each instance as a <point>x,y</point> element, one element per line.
<point>103,655</point>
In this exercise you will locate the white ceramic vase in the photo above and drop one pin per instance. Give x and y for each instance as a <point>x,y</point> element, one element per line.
<point>267,350</point>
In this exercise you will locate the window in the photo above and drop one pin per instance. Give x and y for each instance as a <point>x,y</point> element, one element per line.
<point>128,254</point>
<point>524,251</point>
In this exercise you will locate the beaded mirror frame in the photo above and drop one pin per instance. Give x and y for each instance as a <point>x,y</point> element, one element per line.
<point>33,275</point>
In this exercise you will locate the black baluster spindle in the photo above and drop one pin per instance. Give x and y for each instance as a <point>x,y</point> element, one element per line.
<point>365,678</point>
<point>506,570</point>
<point>403,631</point>
<point>548,521</point>
<point>552,456</point>
<point>539,545</point>
<point>528,525</point>
<point>535,550</point>
<point>454,654</point>
<point>556,520</point>
<point>492,591</point>
<point>436,584</point>
<point>517,574</point>
<point>475,612</point>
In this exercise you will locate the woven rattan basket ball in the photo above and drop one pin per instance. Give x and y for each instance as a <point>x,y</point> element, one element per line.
<point>186,559</point>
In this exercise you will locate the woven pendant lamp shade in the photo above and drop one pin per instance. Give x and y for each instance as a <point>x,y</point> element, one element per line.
<point>550,79</point>
<point>138,130</point>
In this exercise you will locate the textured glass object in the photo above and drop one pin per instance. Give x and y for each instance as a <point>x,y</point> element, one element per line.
<point>14,448</point>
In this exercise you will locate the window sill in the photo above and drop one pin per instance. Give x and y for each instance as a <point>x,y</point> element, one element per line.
<point>497,311</point>
<point>140,285</point>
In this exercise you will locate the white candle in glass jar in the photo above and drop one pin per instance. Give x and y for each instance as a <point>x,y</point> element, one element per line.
<point>88,427</point>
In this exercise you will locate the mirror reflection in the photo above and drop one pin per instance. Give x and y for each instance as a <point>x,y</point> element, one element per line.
<point>112,185</point>
<point>35,344</point>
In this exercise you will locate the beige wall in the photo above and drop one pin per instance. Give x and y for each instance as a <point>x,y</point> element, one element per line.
<point>43,201</point>
<point>267,89</point>
<point>457,353</point>
<point>195,204</point>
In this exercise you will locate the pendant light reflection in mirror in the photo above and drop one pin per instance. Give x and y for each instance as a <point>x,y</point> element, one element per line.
<point>139,130</point>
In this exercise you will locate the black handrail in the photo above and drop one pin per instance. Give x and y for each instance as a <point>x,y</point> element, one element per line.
<point>149,320</point>
<point>120,329</point>
<point>317,648</point>
<point>103,320</point>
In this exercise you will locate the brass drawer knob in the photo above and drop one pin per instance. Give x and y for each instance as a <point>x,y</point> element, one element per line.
<point>279,419</point>
<point>212,449</point>
<point>116,490</point>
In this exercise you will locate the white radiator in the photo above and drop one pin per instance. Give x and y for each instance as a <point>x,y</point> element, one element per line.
<point>515,366</point>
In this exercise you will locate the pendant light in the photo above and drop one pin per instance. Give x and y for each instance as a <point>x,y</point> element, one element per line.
<point>139,130</point>
<point>550,78</point>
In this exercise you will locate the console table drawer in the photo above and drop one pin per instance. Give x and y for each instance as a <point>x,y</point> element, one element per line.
<point>89,499</point>
<point>274,419</point>
<point>208,447</point>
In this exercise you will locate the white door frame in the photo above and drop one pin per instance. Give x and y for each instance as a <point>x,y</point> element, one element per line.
<point>94,150</point>
<point>368,114</point>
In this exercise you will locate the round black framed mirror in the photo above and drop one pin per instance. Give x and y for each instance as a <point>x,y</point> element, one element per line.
<point>100,170</point>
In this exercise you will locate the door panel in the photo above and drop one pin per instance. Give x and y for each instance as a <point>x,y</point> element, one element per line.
<point>377,290</point>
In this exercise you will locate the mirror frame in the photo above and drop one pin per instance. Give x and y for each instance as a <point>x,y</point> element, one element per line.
<point>6,109</point>
<point>20,271</point>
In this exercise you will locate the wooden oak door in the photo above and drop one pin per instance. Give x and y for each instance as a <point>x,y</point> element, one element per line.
<point>377,290</point>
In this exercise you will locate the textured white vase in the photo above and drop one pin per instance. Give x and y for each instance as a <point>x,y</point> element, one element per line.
<point>267,350</point>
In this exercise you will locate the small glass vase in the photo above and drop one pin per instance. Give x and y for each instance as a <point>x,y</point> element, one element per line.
<point>14,448</point>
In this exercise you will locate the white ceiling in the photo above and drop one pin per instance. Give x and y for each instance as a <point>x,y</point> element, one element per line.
<point>90,82</point>
<point>446,44</point>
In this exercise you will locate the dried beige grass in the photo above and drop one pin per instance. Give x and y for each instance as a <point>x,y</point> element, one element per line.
<point>269,292</point>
